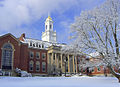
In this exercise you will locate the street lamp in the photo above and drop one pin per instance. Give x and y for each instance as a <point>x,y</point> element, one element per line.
<point>65,65</point>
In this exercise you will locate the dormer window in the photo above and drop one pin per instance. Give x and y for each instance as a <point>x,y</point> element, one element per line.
<point>33,45</point>
<point>42,46</point>
<point>30,43</point>
<point>36,44</point>
<point>39,46</point>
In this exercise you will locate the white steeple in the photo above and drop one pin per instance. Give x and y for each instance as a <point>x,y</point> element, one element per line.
<point>49,24</point>
<point>49,35</point>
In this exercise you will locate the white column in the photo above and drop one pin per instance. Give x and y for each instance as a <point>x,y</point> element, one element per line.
<point>68,63</point>
<point>73,65</point>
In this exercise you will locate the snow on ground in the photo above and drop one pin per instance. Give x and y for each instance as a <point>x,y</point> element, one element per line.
<point>59,82</point>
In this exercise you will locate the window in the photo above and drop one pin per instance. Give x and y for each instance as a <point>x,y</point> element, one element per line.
<point>39,46</point>
<point>92,70</point>
<point>43,56</point>
<point>33,44</point>
<point>50,26</point>
<point>43,66</point>
<point>31,54</point>
<point>31,64</point>
<point>37,55</point>
<point>98,69</point>
<point>46,26</point>
<point>37,66</point>
<point>42,46</point>
<point>7,54</point>
<point>30,43</point>
<point>84,70</point>
<point>36,44</point>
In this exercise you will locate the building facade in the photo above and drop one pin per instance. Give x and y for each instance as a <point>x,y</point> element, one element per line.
<point>12,53</point>
<point>59,61</point>
<point>39,57</point>
<point>15,54</point>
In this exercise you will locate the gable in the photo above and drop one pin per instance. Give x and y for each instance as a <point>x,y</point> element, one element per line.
<point>9,37</point>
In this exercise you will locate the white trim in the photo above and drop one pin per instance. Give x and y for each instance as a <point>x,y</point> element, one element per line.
<point>12,54</point>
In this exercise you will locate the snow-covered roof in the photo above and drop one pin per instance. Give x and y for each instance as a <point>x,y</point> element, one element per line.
<point>39,44</point>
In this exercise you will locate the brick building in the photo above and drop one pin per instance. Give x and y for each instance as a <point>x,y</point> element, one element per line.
<point>15,54</point>
<point>36,56</point>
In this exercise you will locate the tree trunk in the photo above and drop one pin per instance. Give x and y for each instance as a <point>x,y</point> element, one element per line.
<point>114,73</point>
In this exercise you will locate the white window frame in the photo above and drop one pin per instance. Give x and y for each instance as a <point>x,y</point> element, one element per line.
<point>38,63</point>
<point>30,54</point>
<point>43,66</point>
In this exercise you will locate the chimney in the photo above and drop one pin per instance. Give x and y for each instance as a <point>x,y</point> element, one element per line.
<point>22,37</point>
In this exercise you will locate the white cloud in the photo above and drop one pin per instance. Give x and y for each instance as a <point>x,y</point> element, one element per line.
<point>15,13</point>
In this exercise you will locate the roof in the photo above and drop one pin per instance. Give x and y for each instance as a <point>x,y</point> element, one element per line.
<point>36,40</point>
<point>9,34</point>
<point>39,44</point>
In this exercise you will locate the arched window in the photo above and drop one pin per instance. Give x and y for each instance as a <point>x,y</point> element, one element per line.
<point>7,54</point>
<point>46,26</point>
<point>37,66</point>
<point>50,26</point>
<point>31,65</point>
<point>43,66</point>
<point>42,45</point>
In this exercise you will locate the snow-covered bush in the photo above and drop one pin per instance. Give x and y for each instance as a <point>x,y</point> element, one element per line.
<point>22,73</point>
<point>25,74</point>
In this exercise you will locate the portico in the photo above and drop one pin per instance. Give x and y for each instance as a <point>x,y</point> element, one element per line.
<point>59,61</point>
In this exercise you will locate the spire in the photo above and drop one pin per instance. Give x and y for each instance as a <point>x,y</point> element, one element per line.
<point>49,18</point>
<point>51,37</point>
<point>48,14</point>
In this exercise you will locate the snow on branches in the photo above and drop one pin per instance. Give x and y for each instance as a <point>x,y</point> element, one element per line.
<point>98,30</point>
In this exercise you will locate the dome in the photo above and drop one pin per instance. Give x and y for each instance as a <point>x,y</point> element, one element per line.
<point>49,18</point>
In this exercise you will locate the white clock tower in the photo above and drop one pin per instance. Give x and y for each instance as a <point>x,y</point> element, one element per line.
<point>49,35</point>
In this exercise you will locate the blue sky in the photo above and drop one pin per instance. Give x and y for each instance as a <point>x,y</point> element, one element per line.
<point>28,16</point>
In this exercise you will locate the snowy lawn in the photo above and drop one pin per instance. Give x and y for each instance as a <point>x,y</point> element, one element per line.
<point>59,82</point>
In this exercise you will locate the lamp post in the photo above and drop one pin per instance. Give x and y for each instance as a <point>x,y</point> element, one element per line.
<point>65,66</point>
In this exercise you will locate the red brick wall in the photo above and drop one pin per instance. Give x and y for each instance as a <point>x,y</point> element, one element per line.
<point>35,60</point>
<point>15,43</point>
<point>23,57</point>
<point>21,54</point>
<point>102,71</point>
